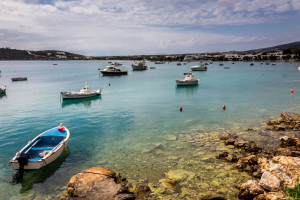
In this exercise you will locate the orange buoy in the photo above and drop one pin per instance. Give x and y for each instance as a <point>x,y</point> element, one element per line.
<point>180,109</point>
<point>292,91</point>
<point>224,107</point>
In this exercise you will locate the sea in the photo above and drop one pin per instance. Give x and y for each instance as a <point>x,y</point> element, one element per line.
<point>136,128</point>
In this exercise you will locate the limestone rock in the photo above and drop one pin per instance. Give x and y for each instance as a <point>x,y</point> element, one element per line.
<point>269,182</point>
<point>180,174</point>
<point>239,142</point>
<point>97,183</point>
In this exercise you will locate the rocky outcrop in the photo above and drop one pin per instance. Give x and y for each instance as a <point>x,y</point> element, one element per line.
<point>276,170</point>
<point>288,121</point>
<point>98,183</point>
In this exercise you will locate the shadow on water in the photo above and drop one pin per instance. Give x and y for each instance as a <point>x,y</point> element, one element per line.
<point>41,175</point>
<point>85,102</point>
<point>3,95</point>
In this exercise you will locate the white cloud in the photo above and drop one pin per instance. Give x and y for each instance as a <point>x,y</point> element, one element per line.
<point>131,27</point>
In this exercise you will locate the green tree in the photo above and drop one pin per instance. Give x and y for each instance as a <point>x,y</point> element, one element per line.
<point>287,51</point>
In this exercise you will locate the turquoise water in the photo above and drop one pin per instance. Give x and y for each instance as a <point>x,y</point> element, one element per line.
<point>133,114</point>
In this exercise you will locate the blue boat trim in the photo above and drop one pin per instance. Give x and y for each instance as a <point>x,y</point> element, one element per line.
<point>35,159</point>
<point>41,148</point>
<point>55,132</point>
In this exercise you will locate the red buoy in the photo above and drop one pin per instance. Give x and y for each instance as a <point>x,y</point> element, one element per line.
<point>180,109</point>
<point>224,107</point>
<point>108,84</point>
<point>292,91</point>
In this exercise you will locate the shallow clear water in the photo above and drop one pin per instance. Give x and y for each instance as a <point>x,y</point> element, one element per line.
<point>135,113</point>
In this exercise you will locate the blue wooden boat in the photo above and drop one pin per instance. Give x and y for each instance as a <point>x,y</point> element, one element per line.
<point>42,150</point>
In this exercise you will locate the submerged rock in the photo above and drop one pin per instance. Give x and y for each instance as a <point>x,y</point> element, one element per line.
<point>250,189</point>
<point>180,174</point>
<point>97,183</point>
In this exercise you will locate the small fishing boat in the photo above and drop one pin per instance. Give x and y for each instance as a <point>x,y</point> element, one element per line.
<point>188,80</point>
<point>221,64</point>
<point>42,150</point>
<point>2,89</point>
<point>179,63</point>
<point>111,70</point>
<point>19,79</point>
<point>85,92</point>
<point>251,64</point>
<point>273,63</point>
<point>159,62</point>
<point>139,65</point>
<point>199,67</point>
<point>116,64</point>
<point>152,67</point>
<point>226,67</point>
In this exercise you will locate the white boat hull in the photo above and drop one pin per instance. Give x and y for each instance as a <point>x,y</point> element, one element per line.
<point>2,89</point>
<point>70,95</point>
<point>184,83</point>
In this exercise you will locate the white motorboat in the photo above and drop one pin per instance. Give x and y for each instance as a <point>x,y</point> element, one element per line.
<point>159,62</point>
<point>139,65</point>
<point>117,64</point>
<point>188,80</point>
<point>299,67</point>
<point>199,67</point>
<point>2,89</point>
<point>111,71</point>
<point>42,150</point>
<point>85,92</point>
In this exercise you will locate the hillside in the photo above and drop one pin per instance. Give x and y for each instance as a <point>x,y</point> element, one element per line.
<point>15,54</point>
<point>292,46</point>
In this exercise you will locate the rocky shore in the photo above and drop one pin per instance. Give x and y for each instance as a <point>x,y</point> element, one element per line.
<point>272,171</point>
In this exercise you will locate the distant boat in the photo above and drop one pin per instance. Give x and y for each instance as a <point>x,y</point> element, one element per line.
<point>226,67</point>
<point>85,92</point>
<point>42,150</point>
<point>299,67</point>
<point>221,64</point>
<point>188,80</point>
<point>267,63</point>
<point>152,67</point>
<point>273,63</point>
<point>139,65</point>
<point>159,62</point>
<point>232,63</point>
<point>111,70</point>
<point>19,79</point>
<point>199,67</point>
<point>179,63</point>
<point>251,64</point>
<point>117,64</point>
<point>2,89</point>
<point>54,63</point>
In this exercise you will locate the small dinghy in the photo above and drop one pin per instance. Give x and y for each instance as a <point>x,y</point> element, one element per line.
<point>41,151</point>
<point>2,89</point>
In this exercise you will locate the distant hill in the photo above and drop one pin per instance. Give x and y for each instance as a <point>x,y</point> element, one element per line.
<point>292,46</point>
<point>15,54</point>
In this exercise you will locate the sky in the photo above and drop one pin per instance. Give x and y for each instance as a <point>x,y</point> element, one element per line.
<point>147,27</point>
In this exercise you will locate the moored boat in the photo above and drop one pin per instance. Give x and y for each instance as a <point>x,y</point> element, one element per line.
<point>19,79</point>
<point>299,67</point>
<point>2,89</point>
<point>139,65</point>
<point>159,62</point>
<point>42,150</point>
<point>221,64</point>
<point>85,92</point>
<point>179,63</point>
<point>188,80</point>
<point>117,64</point>
<point>199,67</point>
<point>111,70</point>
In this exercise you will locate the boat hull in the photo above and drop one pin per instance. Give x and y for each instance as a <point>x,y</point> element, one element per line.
<point>19,79</point>
<point>186,83</point>
<point>106,73</point>
<point>2,89</point>
<point>68,95</point>
<point>199,69</point>
<point>134,67</point>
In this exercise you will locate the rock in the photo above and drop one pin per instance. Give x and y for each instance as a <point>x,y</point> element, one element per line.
<point>250,189</point>
<point>239,142</point>
<point>249,129</point>
<point>288,142</point>
<point>231,158</point>
<point>279,128</point>
<point>213,198</point>
<point>141,191</point>
<point>270,122</point>
<point>180,175</point>
<point>229,136</point>
<point>171,137</point>
<point>269,182</point>
<point>169,184</point>
<point>230,146</point>
<point>245,161</point>
<point>222,155</point>
<point>229,141</point>
<point>260,197</point>
<point>97,183</point>
<point>252,148</point>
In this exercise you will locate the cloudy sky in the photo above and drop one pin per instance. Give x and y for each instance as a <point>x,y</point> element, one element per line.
<point>135,27</point>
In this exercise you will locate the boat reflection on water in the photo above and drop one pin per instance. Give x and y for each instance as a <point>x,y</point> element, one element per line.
<point>2,95</point>
<point>190,89</point>
<point>40,175</point>
<point>85,102</point>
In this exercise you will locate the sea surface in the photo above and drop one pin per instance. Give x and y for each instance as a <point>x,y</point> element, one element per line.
<point>135,127</point>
